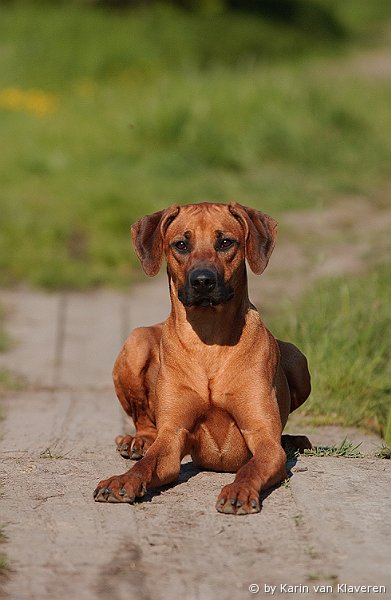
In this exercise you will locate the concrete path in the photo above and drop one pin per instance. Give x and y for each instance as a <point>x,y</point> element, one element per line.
<point>331,525</point>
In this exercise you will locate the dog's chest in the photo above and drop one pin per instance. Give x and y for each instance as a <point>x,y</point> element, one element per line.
<point>217,442</point>
<point>223,370</point>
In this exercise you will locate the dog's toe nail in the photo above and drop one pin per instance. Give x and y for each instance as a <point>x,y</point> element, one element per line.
<point>254,506</point>
<point>124,450</point>
<point>233,501</point>
<point>104,493</point>
<point>122,492</point>
<point>239,503</point>
<point>100,495</point>
<point>241,511</point>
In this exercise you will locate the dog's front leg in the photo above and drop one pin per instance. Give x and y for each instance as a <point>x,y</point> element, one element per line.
<point>264,469</point>
<point>267,465</point>
<point>160,465</point>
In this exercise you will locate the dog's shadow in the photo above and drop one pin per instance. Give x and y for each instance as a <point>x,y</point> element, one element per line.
<point>189,470</point>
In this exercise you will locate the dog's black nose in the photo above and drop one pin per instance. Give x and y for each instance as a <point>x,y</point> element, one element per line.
<point>203,280</point>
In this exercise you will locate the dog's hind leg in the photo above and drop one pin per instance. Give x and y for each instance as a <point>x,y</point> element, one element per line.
<point>135,446</point>
<point>295,443</point>
<point>295,367</point>
<point>134,375</point>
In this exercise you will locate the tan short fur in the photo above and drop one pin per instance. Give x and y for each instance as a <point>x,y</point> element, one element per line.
<point>211,380</point>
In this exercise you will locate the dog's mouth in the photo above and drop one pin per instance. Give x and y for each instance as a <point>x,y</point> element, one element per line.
<point>205,300</point>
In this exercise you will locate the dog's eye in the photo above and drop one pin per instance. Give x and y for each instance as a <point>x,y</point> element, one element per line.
<point>225,244</point>
<point>181,246</point>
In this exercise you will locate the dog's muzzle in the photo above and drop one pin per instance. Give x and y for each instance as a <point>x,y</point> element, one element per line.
<point>204,287</point>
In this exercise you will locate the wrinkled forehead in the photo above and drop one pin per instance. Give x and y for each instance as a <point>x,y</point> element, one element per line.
<point>205,221</point>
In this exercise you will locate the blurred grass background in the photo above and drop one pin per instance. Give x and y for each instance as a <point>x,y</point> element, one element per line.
<point>109,110</point>
<point>107,114</point>
<point>343,328</point>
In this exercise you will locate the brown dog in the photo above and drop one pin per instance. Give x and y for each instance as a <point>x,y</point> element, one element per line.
<point>211,381</point>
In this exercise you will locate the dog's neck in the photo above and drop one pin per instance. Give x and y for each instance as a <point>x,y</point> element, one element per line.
<point>220,325</point>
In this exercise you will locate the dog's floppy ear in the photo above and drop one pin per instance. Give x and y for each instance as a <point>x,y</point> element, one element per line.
<point>147,238</point>
<point>260,234</point>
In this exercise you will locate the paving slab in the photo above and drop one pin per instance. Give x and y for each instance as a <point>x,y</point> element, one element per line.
<point>33,326</point>
<point>346,503</point>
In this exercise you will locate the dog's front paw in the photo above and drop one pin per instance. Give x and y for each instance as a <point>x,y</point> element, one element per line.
<point>120,488</point>
<point>238,499</point>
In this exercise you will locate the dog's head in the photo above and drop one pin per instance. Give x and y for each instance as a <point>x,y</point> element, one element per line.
<point>205,247</point>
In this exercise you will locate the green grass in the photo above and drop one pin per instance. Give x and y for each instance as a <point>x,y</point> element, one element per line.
<point>4,339</point>
<point>342,327</point>
<point>345,449</point>
<point>107,115</point>
<point>3,537</point>
<point>5,378</point>
<point>4,566</point>
<point>52,454</point>
<point>384,452</point>
<point>8,381</point>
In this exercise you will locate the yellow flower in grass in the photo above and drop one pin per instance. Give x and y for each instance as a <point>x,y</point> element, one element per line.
<point>36,102</point>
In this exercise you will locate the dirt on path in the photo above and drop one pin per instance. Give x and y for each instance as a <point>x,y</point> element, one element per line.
<point>330,525</point>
